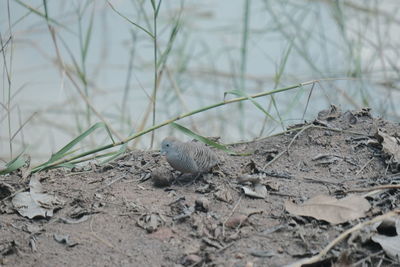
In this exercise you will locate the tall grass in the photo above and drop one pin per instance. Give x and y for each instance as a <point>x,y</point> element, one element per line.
<point>165,61</point>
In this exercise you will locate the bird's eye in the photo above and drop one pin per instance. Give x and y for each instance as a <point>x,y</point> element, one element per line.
<point>167,145</point>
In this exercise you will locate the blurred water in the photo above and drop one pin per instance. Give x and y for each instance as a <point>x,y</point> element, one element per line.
<point>323,40</point>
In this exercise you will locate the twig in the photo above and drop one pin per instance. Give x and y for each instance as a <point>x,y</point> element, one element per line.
<point>288,147</point>
<point>342,236</point>
<point>225,247</point>
<point>379,187</point>
<point>364,166</point>
<point>13,194</point>
<point>360,262</point>
<point>110,183</point>
<point>227,218</point>
<point>93,233</point>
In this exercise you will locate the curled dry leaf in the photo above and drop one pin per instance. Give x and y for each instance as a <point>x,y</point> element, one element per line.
<point>35,203</point>
<point>390,244</point>
<point>330,209</point>
<point>64,239</point>
<point>260,191</point>
<point>74,220</point>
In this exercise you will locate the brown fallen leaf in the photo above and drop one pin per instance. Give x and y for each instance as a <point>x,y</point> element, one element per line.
<point>36,202</point>
<point>330,209</point>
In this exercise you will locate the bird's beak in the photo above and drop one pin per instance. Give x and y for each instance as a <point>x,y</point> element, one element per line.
<point>163,152</point>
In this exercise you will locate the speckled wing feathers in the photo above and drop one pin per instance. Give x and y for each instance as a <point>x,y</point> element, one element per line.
<point>204,157</point>
<point>191,157</point>
<point>181,159</point>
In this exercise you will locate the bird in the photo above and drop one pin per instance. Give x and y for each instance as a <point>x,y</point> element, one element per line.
<point>188,157</point>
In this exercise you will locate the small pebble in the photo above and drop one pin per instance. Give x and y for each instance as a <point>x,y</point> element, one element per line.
<point>162,177</point>
<point>202,204</point>
<point>236,221</point>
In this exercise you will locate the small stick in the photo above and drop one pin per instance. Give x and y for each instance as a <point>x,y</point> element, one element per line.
<point>110,183</point>
<point>232,211</point>
<point>379,187</point>
<point>363,167</point>
<point>290,144</point>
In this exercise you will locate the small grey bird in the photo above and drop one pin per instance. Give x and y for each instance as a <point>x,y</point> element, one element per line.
<point>189,157</point>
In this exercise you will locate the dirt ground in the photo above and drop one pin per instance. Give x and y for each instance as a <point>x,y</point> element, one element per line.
<point>121,215</point>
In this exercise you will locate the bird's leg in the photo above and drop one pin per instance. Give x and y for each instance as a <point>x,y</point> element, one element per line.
<point>177,178</point>
<point>185,179</point>
<point>194,180</point>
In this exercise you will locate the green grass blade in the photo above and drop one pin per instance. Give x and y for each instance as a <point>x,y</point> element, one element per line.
<point>243,49</point>
<point>45,16</point>
<point>153,4</point>
<point>158,8</point>
<point>67,165</point>
<point>243,94</point>
<point>45,10</point>
<point>204,139</point>
<point>130,21</point>
<point>167,122</point>
<point>88,36</point>
<point>65,150</point>
<point>278,76</point>
<point>163,58</point>
<point>15,164</point>
<point>116,154</point>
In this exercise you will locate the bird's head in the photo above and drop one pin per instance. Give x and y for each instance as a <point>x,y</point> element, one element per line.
<point>167,145</point>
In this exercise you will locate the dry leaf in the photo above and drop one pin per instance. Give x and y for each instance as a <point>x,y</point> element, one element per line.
<point>64,239</point>
<point>260,191</point>
<point>331,209</point>
<point>390,244</point>
<point>35,203</point>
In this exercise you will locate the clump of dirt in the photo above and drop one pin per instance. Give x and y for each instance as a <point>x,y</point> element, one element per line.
<point>136,211</point>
